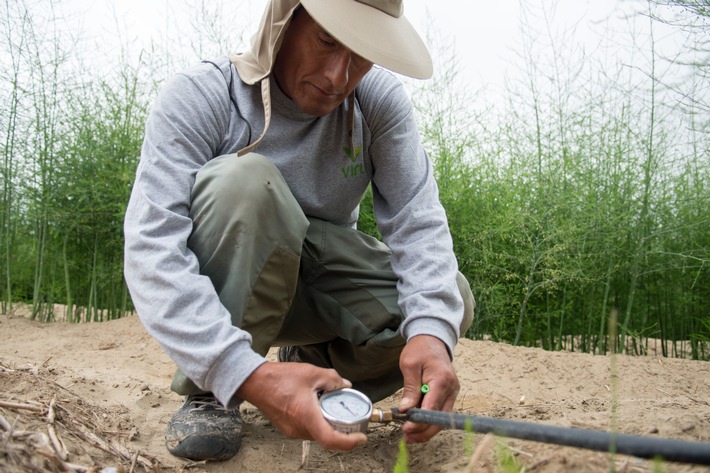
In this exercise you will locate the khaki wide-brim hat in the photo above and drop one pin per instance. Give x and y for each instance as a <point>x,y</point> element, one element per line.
<point>377,30</point>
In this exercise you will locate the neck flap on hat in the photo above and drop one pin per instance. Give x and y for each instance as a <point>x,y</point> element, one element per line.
<point>255,65</point>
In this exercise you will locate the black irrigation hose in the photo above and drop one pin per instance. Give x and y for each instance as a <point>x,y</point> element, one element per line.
<point>638,446</point>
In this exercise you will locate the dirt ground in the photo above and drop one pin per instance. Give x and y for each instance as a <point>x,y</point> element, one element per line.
<point>106,387</point>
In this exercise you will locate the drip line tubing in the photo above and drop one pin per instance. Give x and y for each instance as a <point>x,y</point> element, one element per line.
<point>638,446</point>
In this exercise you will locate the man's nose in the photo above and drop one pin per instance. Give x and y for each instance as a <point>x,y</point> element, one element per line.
<point>337,69</point>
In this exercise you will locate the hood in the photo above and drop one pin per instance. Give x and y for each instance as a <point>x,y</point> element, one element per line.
<point>255,64</point>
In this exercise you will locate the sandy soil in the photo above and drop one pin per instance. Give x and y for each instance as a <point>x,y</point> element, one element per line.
<point>107,385</point>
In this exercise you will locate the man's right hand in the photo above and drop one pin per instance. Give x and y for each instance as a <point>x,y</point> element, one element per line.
<point>287,394</point>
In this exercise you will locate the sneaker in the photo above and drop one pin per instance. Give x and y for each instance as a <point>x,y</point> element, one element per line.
<point>288,354</point>
<point>203,429</point>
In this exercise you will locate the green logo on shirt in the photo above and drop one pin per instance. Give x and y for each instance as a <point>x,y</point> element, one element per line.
<point>356,168</point>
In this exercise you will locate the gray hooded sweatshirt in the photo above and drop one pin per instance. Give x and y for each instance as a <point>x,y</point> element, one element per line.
<point>219,108</point>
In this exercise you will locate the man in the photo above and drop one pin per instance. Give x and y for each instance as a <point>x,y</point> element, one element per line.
<point>240,230</point>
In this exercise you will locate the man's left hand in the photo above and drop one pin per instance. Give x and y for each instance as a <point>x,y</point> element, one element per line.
<point>425,360</point>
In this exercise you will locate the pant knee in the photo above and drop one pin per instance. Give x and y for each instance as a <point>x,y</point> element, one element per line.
<point>228,181</point>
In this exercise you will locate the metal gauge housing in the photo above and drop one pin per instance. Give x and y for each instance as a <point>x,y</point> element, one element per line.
<point>347,410</point>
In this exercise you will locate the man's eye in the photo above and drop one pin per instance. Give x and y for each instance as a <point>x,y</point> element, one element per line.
<point>327,40</point>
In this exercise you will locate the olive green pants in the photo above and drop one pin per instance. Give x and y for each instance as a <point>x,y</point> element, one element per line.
<point>288,279</point>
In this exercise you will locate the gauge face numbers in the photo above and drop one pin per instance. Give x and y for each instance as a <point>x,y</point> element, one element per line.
<point>347,410</point>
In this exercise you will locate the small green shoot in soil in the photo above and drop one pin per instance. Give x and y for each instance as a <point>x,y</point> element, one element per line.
<point>402,465</point>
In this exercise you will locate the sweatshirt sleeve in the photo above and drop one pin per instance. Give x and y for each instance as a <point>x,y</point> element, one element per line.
<point>409,214</point>
<point>178,306</point>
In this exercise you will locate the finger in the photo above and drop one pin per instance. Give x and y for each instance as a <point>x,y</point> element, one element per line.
<point>331,439</point>
<point>412,390</point>
<point>410,398</point>
<point>341,441</point>
<point>418,433</point>
<point>330,380</point>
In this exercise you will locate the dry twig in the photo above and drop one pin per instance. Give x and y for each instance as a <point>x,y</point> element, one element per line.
<point>133,462</point>
<point>305,453</point>
<point>482,449</point>
<point>112,447</point>
<point>21,406</point>
<point>57,443</point>
<point>6,426</point>
<point>520,452</point>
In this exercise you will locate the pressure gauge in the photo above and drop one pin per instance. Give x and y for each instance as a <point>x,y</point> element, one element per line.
<point>347,410</point>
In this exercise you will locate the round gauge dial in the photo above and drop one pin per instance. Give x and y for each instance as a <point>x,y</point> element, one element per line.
<point>347,410</point>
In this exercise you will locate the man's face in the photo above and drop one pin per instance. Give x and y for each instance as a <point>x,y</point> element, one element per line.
<point>314,70</point>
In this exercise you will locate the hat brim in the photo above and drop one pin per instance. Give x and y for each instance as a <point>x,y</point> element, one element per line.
<point>378,37</point>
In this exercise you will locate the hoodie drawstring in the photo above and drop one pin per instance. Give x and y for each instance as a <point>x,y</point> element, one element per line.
<point>266,101</point>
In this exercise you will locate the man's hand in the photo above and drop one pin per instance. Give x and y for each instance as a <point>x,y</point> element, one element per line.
<point>287,394</point>
<point>425,360</point>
